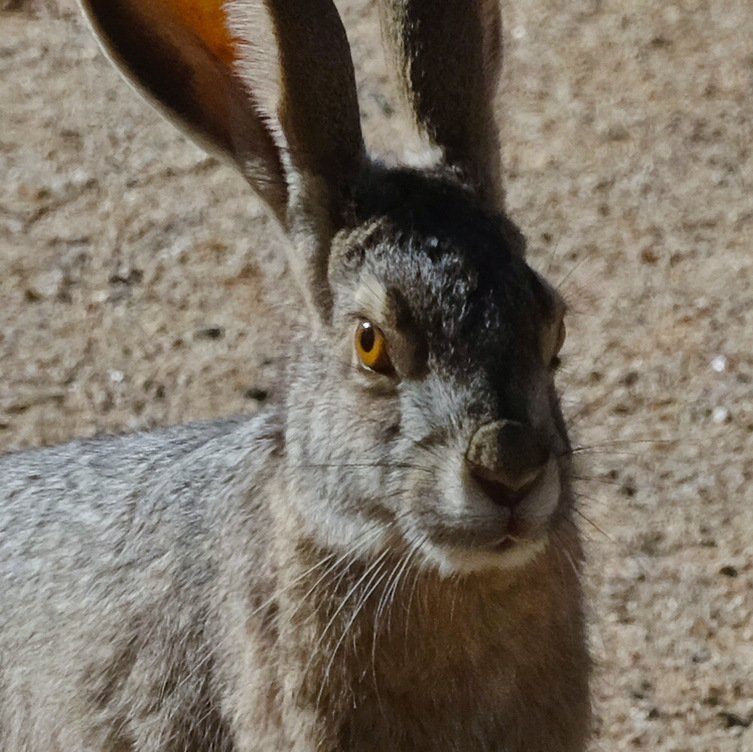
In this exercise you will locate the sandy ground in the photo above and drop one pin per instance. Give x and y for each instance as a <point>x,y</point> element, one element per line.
<point>141,284</point>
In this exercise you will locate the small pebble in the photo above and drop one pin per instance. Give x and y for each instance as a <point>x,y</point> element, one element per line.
<point>719,364</point>
<point>720,414</point>
<point>211,332</point>
<point>733,719</point>
<point>44,285</point>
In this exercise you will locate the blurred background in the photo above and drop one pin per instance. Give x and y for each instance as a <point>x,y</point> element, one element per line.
<point>142,283</point>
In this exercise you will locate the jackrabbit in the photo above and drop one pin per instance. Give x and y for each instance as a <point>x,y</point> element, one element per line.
<point>386,560</point>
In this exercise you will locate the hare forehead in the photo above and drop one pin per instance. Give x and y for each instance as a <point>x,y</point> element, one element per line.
<point>448,296</point>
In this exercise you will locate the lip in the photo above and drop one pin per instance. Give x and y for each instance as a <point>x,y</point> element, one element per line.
<point>503,536</point>
<point>506,554</point>
<point>459,516</point>
<point>502,546</point>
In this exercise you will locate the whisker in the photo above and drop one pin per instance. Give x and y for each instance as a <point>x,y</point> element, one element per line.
<point>384,464</point>
<point>376,564</point>
<point>417,542</point>
<point>456,591</point>
<point>552,256</point>
<point>352,553</point>
<point>596,479</point>
<point>572,418</point>
<point>643,440</point>
<point>388,596</point>
<point>595,450</point>
<point>374,633</point>
<point>593,524</point>
<point>572,563</point>
<point>291,585</point>
<point>373,584</point>
<point>560,285</point>
<point>208,655</point>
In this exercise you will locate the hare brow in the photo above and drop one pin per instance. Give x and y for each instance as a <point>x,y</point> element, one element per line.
<point>371,297</point>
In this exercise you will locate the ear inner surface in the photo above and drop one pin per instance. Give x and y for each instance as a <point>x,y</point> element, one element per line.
<point>448,56</point>
<point>268,82</point>
<point>295,58</point>
<point>181,53</point>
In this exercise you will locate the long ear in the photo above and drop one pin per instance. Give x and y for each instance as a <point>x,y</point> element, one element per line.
<point>449,55</point>
<point>268,82</point>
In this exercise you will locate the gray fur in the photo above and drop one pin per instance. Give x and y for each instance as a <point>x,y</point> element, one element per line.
<point>382,562</point>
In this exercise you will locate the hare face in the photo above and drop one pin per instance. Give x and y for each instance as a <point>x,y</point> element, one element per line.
<point>433,422</point>
<point>421,411</point>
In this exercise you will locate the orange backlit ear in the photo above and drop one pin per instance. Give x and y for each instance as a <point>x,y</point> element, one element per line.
<point>371,348</point>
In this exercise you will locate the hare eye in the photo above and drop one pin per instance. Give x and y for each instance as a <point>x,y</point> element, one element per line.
<point>371,348</point>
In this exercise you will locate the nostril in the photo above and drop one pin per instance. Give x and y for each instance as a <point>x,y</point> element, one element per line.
<point>502,494</point>
<point>506,458</point>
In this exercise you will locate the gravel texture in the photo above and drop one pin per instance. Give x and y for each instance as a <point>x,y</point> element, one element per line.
<point>143,284</point>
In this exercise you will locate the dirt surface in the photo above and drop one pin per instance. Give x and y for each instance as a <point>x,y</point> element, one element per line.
<point>142,284</point>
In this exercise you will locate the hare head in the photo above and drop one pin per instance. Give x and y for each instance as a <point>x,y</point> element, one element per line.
<point>421,413</point>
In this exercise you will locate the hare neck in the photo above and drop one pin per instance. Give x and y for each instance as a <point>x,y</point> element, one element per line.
<point>372,643</point>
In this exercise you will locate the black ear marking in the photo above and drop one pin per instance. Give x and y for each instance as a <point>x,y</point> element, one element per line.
<point>448,55</point>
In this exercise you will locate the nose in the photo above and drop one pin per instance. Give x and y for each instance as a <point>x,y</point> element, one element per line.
<point>506,458</point>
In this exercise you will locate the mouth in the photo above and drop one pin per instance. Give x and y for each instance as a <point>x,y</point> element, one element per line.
<point>507,555</point>
<point>505,545</point>
<point>465,528</point>
<point>497,546</point>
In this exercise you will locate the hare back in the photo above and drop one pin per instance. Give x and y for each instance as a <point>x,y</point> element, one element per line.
<point>111,563</point>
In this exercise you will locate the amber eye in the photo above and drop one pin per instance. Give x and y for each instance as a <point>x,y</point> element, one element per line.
<point>371,348</point>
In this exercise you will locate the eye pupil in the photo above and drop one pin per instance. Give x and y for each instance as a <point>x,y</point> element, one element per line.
<point>371,348</point>
<point>368,338</point>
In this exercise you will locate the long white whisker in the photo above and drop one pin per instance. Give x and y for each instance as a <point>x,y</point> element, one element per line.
<point>289,586</point>
<point>416,578</point>
<point>376,563</point>
<point>378,576</point>
<point>352,553</point>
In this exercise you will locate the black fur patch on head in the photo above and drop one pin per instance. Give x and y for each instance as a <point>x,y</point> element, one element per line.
<point>457,271</point>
